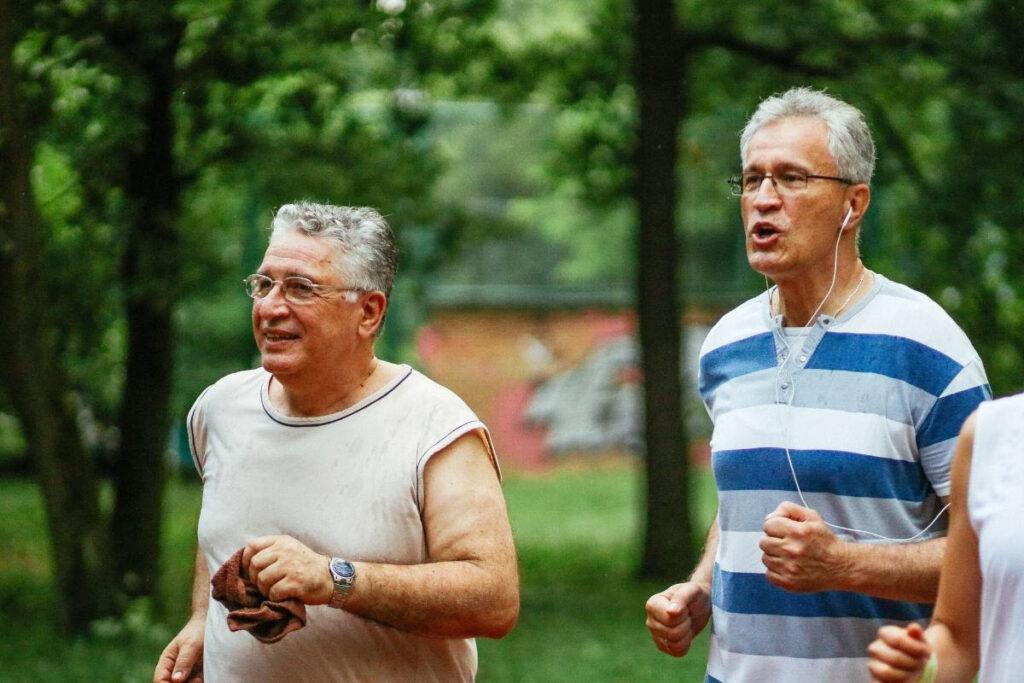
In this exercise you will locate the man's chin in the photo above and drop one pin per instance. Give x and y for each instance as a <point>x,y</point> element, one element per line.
<point>762,266</point>
<point>276,364</point>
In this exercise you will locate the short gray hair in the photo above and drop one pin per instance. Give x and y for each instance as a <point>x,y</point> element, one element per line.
<point>849,139</point>
<point>367,256</point>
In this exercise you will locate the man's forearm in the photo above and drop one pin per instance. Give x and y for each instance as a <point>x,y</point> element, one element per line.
<point>200,587</point>
<point>449,599</point>
<point>907,571</point>
<point>703,573</point>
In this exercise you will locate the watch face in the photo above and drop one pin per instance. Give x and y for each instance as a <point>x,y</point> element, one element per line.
<point>342,569</point>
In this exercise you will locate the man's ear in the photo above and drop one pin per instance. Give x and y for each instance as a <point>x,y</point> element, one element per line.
<point>375,304</point>
<point>859,199</point>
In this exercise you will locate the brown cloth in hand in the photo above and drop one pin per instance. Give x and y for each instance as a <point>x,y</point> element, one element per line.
<point>267,620</point>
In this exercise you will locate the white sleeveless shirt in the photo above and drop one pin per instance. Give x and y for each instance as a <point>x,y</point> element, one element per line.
<point>349,485</point>
<point>995,505</point>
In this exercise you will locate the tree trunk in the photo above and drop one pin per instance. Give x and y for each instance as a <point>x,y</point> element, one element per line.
<point>33,375</point>
<point>668,548</point>
<point>150,274</point>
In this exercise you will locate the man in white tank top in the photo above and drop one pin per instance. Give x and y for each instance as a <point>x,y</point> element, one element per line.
<point>356,486</point>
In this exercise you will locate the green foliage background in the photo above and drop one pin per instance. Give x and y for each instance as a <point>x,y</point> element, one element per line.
<point>489,130</point>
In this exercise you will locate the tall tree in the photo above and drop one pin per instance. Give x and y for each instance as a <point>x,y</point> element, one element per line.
<point>668,551</point>
<point>32,372</point>
<point>132,181</point>
<point>147,36</point>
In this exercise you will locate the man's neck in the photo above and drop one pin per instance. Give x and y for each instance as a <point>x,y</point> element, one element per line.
<point>327,395</point>
<point>802,301</point>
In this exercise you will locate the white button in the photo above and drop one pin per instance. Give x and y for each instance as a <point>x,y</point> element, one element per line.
<point>803,359</point>
<point>785,385</point>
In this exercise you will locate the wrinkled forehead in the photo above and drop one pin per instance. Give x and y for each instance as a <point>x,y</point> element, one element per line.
<point>796,142</point>
<point>296,253</point>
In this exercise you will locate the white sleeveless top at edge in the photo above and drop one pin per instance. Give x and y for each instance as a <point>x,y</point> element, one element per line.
<point>995,504</point>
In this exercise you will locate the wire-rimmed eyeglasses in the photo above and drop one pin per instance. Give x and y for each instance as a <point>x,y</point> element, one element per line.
<point>786,182</point>
<point>296,289</point>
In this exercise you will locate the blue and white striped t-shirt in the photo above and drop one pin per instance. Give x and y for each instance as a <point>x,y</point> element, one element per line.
<point>869,406</point>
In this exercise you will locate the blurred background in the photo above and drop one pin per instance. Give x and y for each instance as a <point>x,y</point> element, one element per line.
<point>555,175</point>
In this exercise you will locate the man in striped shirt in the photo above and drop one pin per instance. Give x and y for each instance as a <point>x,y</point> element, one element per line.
<point>836,397</point>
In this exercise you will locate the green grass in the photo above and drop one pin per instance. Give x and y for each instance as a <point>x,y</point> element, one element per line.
<point>582,616</point>
<point>126,649</point>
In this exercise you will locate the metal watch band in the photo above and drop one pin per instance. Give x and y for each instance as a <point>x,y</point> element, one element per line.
<point>343,575</point>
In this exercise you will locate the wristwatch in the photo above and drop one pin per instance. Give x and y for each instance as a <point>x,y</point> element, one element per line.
<point>343,574</point>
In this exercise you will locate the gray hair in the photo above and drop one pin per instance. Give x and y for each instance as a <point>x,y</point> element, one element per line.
<point>365,246</point>
<point>849,139</point>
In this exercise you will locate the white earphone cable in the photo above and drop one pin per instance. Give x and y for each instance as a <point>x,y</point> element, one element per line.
<point>787,423</point>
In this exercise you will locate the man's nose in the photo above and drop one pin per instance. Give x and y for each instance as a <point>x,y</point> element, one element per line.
<point>767,192</point>
<point>274,299</point>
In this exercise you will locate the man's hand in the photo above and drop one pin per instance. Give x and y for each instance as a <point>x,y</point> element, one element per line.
<point>899,654</point>
<point>182,660</point>
<point>800,552</point>
<point>282,567</point>
<point>676,615</point>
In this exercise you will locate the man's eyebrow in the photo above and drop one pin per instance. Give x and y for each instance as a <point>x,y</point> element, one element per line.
<point>287,274</point>
<point>777,168</point>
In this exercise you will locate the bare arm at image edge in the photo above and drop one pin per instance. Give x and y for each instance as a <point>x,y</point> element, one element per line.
<point>182,660</point>
<point>900,654</point>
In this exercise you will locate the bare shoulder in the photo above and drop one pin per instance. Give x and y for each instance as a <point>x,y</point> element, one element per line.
<point>468,458</point>
<point>464,511</point>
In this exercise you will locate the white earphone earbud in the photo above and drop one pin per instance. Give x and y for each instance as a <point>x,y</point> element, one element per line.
<point>849,215</point>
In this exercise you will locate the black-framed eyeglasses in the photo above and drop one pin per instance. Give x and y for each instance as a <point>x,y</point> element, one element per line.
<point>786,182</point>
<point>296,289</point>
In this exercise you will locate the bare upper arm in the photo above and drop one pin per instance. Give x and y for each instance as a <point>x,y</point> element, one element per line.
<point>959,602</point>
<point>464,514</point>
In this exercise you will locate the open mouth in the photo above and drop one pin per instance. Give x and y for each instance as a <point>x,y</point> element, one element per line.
<point>764,231</point>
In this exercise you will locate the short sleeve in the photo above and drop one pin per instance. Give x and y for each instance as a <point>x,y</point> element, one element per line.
<point>196,427</point>
<point>937,435</point>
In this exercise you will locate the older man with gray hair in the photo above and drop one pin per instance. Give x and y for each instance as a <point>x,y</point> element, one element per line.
<point>836,397</point>
<point>352,526</point>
